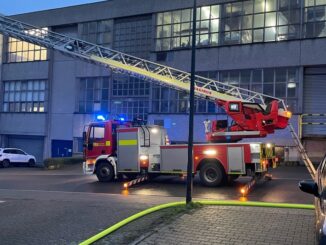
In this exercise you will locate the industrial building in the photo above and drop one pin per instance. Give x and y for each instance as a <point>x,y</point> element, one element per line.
<point>275,47</point>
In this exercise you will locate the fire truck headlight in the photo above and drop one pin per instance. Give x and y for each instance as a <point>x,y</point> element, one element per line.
<point>210,152</point>
<point>288,114</point>
<point>90,161</point>
<point>154,130</point>
<point>143,157</point>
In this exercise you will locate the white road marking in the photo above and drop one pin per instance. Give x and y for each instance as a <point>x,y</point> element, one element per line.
<point>2,201</point>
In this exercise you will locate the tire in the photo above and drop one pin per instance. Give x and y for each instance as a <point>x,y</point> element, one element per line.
<point>104,172</point>
<point>5,163</point>
<point>212,174</point>
<point>31,163</point>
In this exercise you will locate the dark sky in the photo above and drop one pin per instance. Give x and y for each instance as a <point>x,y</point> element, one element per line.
<point>10,7</point>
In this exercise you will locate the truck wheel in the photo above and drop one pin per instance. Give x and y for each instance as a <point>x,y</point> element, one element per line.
<point>104,172</point>
<point>212,174</point>
<point>5,163</point>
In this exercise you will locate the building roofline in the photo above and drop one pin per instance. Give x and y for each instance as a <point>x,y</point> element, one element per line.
<point>58,8</point>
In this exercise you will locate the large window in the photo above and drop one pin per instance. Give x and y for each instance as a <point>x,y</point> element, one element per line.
<point>134,35</point>
<point>99,32</point>
<point>277,82</point>
<point>130,97</point>
<point>20,51</point>
<point>315,18</point>
<point>167,100</point>
<point>93,94</point>
<point>260,21</point>
<point>129,86</point>
<point>242,22</point>
<point>24,96</point>
<point>130,109</point>
<point>173,29</point>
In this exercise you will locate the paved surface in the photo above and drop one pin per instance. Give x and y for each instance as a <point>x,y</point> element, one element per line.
<point>65,207</point>
<point>236,225</point>
<point>284,187</point>
<point>43,217</point>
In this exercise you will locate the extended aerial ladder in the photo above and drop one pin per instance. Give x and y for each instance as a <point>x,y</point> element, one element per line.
<point>252,111</point>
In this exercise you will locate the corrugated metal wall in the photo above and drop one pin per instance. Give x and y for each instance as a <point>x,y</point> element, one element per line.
<point>314,100</point>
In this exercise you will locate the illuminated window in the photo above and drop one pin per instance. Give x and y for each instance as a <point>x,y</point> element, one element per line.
<point>24,96</point>
<point>260,21</point>
<point>20,51</point>
<point>174,29</point>
<point>239,22</point>
<point>315,18</point>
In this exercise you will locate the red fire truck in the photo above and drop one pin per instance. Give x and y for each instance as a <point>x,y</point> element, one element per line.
<point>115,148</point>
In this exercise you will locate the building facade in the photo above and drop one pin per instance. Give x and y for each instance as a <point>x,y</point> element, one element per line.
<point>271,46</point>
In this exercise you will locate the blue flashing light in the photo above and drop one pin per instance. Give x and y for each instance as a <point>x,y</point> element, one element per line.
<point>122,119</point>
<point>100,118</point>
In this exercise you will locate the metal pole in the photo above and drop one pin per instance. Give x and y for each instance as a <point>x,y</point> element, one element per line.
<point>191,109</point>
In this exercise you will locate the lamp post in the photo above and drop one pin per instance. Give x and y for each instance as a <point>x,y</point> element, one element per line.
<point>191,108</point>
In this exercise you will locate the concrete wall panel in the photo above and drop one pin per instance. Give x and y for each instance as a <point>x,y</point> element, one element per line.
<point>22,123</point>
<point>61,126</point>
<point>25,71</point>
<point>64,87</point>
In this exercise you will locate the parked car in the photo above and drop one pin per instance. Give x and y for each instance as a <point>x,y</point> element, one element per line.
<point>13,156</point>
<point>317,187</point>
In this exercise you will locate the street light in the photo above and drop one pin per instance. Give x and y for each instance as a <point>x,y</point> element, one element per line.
<point>191,108</point>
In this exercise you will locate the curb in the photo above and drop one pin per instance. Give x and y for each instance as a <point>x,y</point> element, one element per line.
<point>206,202</point>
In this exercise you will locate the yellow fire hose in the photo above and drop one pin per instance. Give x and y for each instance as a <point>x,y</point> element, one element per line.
<point>205,202</point>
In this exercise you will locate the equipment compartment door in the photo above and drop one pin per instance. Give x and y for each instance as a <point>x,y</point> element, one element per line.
<point>174,159</point>
<point>128,151</point>
<point>236,160</point>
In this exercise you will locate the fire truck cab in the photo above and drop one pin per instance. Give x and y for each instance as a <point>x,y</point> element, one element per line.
<point>134,145</point>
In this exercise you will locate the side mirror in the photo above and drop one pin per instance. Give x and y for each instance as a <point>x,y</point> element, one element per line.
<point>90,146</point>
<point>309,186</point>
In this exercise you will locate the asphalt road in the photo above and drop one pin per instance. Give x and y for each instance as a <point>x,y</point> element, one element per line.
<point>65,207</point>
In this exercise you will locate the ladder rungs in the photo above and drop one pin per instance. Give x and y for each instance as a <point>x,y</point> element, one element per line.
<point>303,154</point>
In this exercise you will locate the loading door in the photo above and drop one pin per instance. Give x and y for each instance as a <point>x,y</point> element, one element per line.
<point>29,144</point>
<point>314,100</point>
